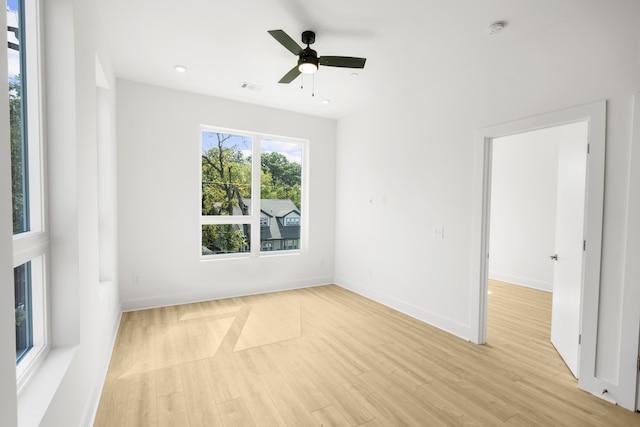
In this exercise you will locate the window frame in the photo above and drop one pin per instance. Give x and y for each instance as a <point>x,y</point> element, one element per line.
<point>33,245</point>
<point>254,217</point>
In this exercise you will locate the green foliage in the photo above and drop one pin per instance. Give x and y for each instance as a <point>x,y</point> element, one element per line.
<point>226,180</point>
<point>21,315</point>
<point>18,156</point>
<point>281,178</point>
<point>225,238</point>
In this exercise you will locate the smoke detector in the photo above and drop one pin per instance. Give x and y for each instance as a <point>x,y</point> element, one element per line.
<point>495,28</point>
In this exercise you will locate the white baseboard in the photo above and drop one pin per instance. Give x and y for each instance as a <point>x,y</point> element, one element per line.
<point>169,300</point>
<point>91,410</point>
<point>522,281</point>
<point>447,325</point>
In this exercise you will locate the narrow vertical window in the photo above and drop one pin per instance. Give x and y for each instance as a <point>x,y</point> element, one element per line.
<point>24,318</point>
<point>281,194</point>
<point>17,115</point>
<point>30,239</point>
<point>226,191</point>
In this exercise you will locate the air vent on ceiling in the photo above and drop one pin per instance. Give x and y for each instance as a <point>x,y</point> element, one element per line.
<point>251,86</point>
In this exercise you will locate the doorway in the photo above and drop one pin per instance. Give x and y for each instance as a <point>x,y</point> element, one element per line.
<point>537,190</point>
<point>595,115</point>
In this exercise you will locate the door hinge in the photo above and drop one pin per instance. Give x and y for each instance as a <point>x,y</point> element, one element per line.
<point>588,148</point>
<point>579,339</point>
<point>584,245</point>
<point>639,363</point>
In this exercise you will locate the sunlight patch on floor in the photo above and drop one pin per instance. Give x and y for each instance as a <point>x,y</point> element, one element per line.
<point>270,323</point>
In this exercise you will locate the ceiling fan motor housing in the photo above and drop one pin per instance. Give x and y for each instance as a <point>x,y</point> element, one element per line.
<point>308,37</point>
<point>308,56</point>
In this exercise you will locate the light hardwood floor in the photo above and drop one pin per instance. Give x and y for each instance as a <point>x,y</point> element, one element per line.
<point>327,357</point>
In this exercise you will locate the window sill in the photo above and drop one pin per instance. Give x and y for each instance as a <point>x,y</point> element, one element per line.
<point>249,255</point>
<point>40,388</point>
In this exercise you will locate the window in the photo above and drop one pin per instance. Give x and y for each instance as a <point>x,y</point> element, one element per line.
<point>249,182</point>
<point>292,220</point>
<point>30,240</point>
<point>291,244</point>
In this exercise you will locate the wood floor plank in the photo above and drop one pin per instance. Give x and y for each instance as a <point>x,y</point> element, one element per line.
<point>201,405</point>
<point>172,410</point>
<point>234,413</point>
<point>141,401</point>
<point>330,416</point>
<point>286,400</point>
<point>257,399</point>
<point>326,356</point>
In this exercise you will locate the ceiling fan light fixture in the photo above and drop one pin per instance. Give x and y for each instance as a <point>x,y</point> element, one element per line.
<point>308,61</point>
<point>307,67</point>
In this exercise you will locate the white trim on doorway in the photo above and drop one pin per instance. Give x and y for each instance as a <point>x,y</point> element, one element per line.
<point>629,351</point>
<point>595,115</point>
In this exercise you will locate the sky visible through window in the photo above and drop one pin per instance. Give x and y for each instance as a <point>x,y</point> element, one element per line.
<point>13,55</point>
<point>292,151</point>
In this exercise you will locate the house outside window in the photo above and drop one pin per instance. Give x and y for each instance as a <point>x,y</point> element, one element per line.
<point>291,244</point>
<point>292,219</point>
<point>250,183</point>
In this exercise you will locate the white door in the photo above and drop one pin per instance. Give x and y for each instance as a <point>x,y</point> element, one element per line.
<point>568,257</point>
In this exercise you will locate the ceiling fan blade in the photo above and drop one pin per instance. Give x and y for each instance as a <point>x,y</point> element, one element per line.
<point>286,41</point>
<point>290,76</point>
<point>342,61</point>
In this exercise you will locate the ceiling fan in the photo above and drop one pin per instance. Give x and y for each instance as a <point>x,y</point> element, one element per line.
<point>308,60</point>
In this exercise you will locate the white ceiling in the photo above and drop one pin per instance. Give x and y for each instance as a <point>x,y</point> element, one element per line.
<point>406,43</point>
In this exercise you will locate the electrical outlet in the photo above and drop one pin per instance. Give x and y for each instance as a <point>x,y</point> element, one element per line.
<point>438,233</point>
<point>136,280</point>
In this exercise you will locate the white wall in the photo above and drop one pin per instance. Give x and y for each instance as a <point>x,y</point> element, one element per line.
<point>523,205</point>
<point>159,199</point>
<point>405,164</point>
<point>84,315</point>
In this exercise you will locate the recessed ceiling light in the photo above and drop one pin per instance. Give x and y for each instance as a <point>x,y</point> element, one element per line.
<point>325,101</point>
<point>180,68</point>
<point>354,74</point>
<point>495,28</point>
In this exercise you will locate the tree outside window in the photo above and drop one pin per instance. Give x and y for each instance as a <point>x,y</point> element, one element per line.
<point>228,205</point>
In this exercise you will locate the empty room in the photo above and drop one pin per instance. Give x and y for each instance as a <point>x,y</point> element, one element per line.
<point>304,213</point>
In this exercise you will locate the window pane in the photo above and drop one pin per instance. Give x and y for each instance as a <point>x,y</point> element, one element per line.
<point>24,324</point>
<point>17,116</point>
<point>226,174</point>
<point>226,239</point>
<point>280,193</point>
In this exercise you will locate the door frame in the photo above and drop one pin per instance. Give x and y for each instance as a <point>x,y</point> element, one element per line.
<point>595,115</point>
<point>630,331</point>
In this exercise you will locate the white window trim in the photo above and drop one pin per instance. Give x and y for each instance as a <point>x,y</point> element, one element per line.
<point>253,219</point>
<point>34,245</point>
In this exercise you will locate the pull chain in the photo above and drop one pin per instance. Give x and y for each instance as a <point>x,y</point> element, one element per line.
<point>313,84</point>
